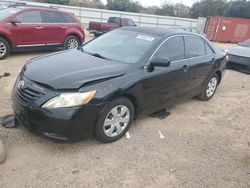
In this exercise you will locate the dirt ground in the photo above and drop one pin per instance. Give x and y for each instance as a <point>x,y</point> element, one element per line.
<point>206,144</point>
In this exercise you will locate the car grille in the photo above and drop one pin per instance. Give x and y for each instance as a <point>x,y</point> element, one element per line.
<point>27,94</point>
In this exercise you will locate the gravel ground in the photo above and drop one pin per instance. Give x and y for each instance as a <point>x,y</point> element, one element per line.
<point>206,144</point>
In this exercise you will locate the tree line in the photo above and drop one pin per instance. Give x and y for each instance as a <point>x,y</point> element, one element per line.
<point>202,8</point>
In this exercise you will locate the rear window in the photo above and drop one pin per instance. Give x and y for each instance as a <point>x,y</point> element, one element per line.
<point>195,31</point>
<point>68,19</point>
<point>114,20</point>
<point>131,23</point>
<point>8,12</point>
<point>196,46</point>
<point>56,17</point>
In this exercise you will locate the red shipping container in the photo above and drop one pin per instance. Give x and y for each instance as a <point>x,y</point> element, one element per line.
<point>226,29</point>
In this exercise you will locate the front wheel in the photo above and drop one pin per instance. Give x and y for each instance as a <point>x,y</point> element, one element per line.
<point>114,120</point>
<point>72,42</point>
<point>210,88</point>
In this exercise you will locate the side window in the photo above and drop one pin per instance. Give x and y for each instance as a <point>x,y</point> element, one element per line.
<point>173,48</point>
<point>52,17</point>
<point>30,17</point>
<point>196,46</point>
<point>209,49</point>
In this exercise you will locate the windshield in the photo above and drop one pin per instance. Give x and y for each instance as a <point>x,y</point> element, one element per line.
<point>120,45</point>
<point>8,12</point>
<point>245,43</point>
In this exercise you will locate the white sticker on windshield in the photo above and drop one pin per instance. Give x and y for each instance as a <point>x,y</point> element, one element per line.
<point>13,11</point>
<point>144,37</point>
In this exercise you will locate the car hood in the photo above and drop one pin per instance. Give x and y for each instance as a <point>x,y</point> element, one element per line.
<point>239,51</point>
<point>71,69</point>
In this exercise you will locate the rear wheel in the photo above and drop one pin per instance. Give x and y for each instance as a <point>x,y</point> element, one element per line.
<point>114,120</point>
<point>4,48</point>
<point>210,88</point>
<point>72,42</point>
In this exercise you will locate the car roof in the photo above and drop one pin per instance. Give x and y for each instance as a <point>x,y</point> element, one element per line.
<point>24,6</point>
<point>157,31</point>
<point>37,8</point>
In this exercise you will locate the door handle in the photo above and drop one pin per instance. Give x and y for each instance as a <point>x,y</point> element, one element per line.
<point>39,27</point>
<point>64,27</point>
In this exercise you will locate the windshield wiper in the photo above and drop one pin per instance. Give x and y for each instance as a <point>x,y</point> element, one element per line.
<point>95,54</point>
<point>98,55</point>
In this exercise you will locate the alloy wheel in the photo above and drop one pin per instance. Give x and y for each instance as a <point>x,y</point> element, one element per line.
<point>211,87</point>
<point>3,49</point>
<point>116,121</point>
<point>72,43</point>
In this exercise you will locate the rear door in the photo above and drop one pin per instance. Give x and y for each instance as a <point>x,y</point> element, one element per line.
<point>165,85</point>
<point>30,31</point>
<point>201,60</point>
<point>54,27</point>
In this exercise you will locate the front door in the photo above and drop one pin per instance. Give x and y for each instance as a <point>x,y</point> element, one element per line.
<point>164,85</point>
<point>30,31</point>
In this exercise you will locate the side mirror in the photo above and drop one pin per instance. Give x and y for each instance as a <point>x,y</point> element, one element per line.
<point>160,62</point>
<point>14,21</point>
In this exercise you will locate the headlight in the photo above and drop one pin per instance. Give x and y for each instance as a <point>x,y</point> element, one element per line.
<point>69,100</point>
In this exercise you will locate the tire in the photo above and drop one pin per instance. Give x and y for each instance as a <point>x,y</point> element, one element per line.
<point>210,88</point>
<point>96,35</point>
<point>71,42</point>
<point>110,128</point>
<point>4,48</point>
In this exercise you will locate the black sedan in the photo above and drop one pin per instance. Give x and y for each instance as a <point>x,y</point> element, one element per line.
<point>102,87</point>
<point>239,57</point>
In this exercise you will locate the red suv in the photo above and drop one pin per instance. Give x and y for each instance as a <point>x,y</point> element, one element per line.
<point>27,28</point>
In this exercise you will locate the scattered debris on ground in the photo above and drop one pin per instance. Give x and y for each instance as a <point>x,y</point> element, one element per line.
<point>6,74</point>
<point>8,121</point>
<point>3,154</point>
<point>161,135</point>
<point>127,135</point>
<point>161,114</point>
<point>75,172</point>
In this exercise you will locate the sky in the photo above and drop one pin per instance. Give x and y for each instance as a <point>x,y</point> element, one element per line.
<point>147,3</point>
